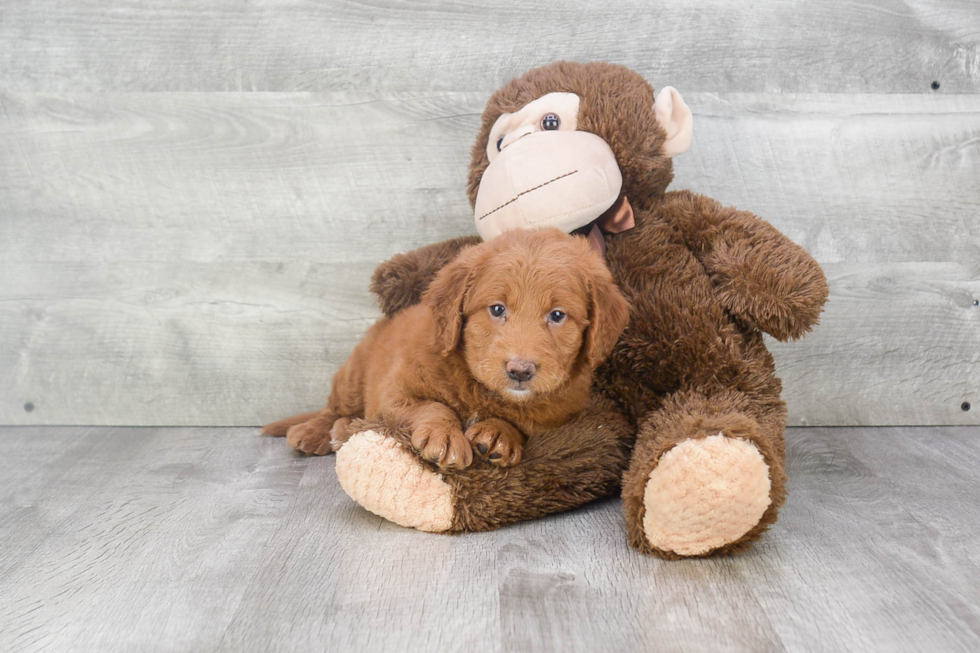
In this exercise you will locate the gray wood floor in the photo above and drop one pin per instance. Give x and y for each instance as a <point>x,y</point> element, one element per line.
<point>194,539</point>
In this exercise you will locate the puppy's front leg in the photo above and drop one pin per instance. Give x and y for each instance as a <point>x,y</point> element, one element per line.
<point>498,440</point>
<point>436,433</point>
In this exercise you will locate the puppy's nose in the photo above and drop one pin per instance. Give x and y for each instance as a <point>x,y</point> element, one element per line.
<point>520,370</point>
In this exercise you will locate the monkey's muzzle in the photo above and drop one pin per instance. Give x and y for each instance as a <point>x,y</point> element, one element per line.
<point>547,179</point>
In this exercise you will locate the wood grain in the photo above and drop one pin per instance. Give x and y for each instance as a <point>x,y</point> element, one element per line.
<point>336,577</point>
<point>341,177</point>
<point>437,45</point>
<point>185,258</point>
<point>898,343</point>
<point>865,536</point>
<point>120,539</point>
<point>243,343</point>
<point>853,178</point>
<point>163,343</point>
<point>317,177</point>
<point>145,541</point>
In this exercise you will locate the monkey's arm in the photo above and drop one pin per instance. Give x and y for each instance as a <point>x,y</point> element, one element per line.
<point>760,275</point>
<point>400,281</point>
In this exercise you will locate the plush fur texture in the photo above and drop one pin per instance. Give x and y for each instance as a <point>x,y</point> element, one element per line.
<point>705,493</point>
<point>563,468</point>
<point>615,103</point>
<point>704,281</point>
<point>450,364</point>
<point>407,494</point>
<point>403,280</point>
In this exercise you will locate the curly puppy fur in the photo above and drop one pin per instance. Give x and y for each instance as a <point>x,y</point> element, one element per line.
<point>704,281</point>
<point>451,363</point>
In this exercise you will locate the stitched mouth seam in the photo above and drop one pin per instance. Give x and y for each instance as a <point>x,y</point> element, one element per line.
<point>526,192</point>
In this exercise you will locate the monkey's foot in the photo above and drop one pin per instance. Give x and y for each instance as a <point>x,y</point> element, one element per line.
<point>705,494</point>
<point>381,475</point>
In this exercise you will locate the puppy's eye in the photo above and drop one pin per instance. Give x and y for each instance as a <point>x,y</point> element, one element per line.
<point>556,317</point>
<point>500,141</point>
<point>497,310</point>
<point>550,122</point>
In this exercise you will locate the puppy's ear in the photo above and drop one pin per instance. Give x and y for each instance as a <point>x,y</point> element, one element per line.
<point>609,313</point>
<point>446,295</point>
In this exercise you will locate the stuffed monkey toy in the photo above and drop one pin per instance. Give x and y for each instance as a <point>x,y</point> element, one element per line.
<point>686,418</point>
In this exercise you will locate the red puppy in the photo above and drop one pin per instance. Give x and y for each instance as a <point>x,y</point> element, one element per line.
<point>502,346</point>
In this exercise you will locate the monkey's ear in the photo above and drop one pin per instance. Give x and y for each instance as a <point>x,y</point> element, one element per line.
<point>676,119</point>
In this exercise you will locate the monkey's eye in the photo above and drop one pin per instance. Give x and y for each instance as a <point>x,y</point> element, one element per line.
<point>497,310</point>
<point>550,122</point>
<point>500,141</point>
<point>556,317</point>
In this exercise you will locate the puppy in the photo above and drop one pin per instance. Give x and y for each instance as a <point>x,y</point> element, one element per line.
<point>503,346</point>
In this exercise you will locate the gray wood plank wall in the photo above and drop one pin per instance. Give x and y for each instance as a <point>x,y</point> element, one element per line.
<point>192,197</point>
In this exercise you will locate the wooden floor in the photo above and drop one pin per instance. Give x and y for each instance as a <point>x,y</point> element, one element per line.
<point>191,539</point>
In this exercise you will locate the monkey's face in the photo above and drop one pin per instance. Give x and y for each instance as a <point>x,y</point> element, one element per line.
<point>543,172</point>
<point>547,162</point>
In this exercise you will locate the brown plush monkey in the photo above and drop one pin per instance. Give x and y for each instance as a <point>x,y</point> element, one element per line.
<point>686,416</point>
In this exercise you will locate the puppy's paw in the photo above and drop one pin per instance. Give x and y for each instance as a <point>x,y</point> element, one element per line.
<point>312,437</point>
<point>443,445</point>
<point>340,433</point>
<point>498,441</point>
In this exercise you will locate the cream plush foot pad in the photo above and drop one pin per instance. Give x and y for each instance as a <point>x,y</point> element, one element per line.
<point>387,480</point>
<point>704,494</point>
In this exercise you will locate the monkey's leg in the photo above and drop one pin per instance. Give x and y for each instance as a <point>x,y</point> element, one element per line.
<point>563,469</point>
<point>706,476</point>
